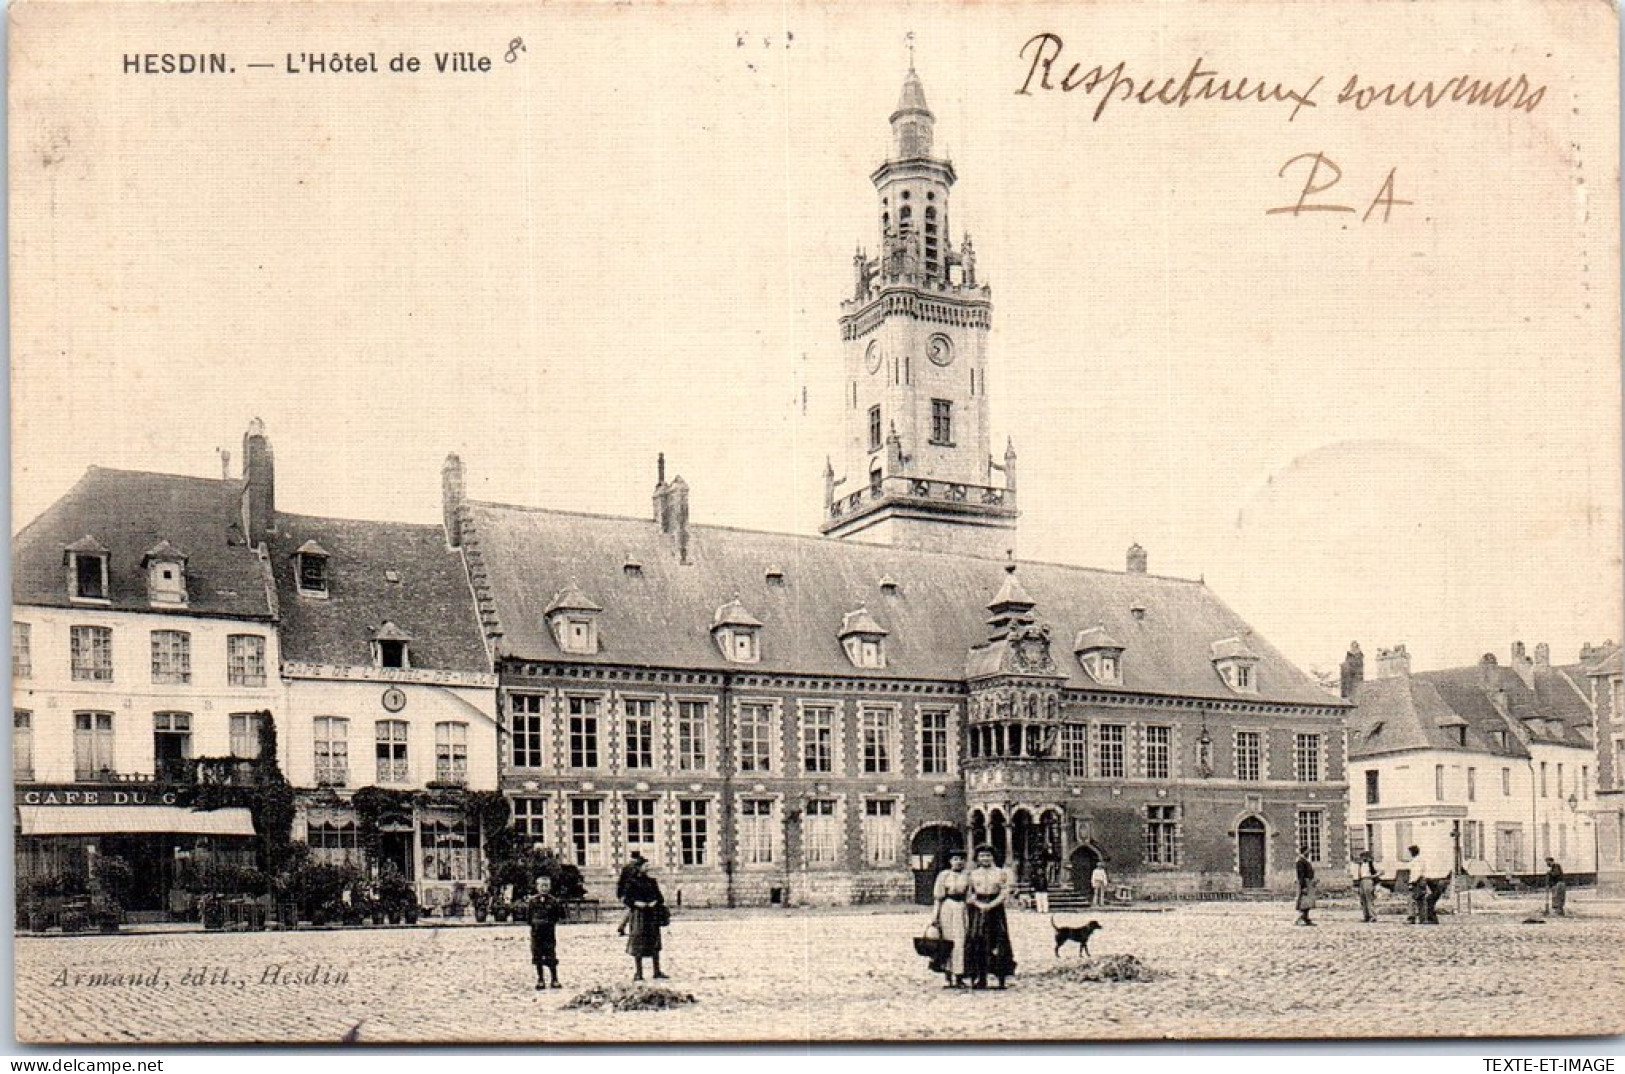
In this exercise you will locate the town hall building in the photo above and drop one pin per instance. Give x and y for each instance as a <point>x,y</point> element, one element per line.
<point>772,718</point>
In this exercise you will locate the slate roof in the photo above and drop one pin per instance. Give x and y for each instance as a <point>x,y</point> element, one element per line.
<point>127,513</point>
<point>431,603</point>
<point>1418,711</point>
<point>661,615</point>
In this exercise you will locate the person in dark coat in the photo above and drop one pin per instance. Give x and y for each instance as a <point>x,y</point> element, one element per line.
<point>1558,885</point>
<point>545,911</point>
<point>1306,888</point>
<point>646,916</point>
<point>628,871</point>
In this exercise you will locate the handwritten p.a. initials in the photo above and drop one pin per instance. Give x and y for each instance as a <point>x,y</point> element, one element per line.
<point>1315,184</point>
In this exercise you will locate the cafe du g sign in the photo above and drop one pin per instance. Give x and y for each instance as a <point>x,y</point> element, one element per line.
<point>78,796</point>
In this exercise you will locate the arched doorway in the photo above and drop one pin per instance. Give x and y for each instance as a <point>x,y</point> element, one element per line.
<point>1024,843</point>
<point>1051,848</point>
<point>996,835</point>
<point>1084,860</point>
<point>928,856</point>
<point>1251,842</point>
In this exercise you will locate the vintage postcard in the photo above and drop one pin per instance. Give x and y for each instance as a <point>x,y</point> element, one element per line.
<point>812,522</point>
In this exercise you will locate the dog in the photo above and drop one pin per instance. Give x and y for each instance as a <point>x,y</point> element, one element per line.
<point>1078,934</point>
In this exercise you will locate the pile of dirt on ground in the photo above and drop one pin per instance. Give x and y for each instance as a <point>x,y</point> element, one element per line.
<point>634,997</point>
<point>1110,968</point>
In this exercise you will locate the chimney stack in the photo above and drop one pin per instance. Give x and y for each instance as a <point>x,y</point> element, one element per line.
<point>1136,559</point>
<point>1543,655</point>
<point>671,507</point>
<point>451,499</point>
<point>225,463</point>
<point>1489,671</point>
<point>1352,672</point>
<point>1522,665</point>
<point>259,484</point>
<point>1393,663</point>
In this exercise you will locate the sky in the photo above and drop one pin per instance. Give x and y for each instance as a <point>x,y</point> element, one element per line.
<point>1392,426</point>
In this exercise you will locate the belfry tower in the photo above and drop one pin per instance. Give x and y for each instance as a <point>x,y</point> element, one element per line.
<point>916,462</point>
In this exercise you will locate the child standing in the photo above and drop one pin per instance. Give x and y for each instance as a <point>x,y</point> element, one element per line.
<point>545,913</point>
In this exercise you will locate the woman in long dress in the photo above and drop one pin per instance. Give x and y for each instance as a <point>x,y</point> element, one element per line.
<point>647,906</point>
<point>987,933</point>
<point>953,885</point>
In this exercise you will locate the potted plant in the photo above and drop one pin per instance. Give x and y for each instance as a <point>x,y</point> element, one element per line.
<point>501,909</point>
<point>111,891</point>
<point>480,899</point>
<point>397,895</point>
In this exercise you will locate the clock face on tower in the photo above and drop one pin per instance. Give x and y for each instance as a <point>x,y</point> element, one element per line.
<point>874,356</point>
<point>940,350</point>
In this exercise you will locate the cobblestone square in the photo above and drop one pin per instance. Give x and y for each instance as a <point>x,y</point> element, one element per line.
<point>1229,971</point>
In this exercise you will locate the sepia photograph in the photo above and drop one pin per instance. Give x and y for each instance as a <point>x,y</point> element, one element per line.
<point>668,523</point>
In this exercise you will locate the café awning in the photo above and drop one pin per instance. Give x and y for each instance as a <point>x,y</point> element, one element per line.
<point>132,820</point>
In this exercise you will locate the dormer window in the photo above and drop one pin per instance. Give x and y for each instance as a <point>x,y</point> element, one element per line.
<point>166,574</point>
<point>863,639</point>
<point>573,619</point>
<point>87,569</point>
<point>1101,655</point>
<point>1237,664</point>
<point>310,563</point>
<point>737,633</point>
<point>391,647</point>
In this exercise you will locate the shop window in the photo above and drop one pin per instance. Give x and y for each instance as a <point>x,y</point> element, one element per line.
<point>334,843</point>
<point>450,848</point>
